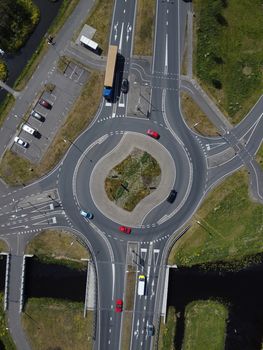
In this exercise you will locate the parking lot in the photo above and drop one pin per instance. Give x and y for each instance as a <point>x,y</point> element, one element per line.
<point>42,128</point>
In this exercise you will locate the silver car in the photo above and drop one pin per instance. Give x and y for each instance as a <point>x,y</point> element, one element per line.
<point>38,116</point>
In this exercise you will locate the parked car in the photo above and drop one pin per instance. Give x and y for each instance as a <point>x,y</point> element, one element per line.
<point>38,116</point>
<point>153,134</point>
<point>86,214</point>
<point>31,131</point>
<point>45,104</point>
<point>125,229</point>
<point>172,196</point>
<point>21,142</point>
<point>125,86</point>
<point>119,305</point>
<point>150,330</point>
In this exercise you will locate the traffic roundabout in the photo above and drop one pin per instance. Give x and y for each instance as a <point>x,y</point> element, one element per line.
<point>89,179</point>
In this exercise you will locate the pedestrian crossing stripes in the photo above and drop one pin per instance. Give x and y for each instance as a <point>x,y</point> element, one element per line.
<point>111,117</point>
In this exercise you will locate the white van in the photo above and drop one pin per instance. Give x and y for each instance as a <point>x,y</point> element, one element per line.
<point>31,131</point>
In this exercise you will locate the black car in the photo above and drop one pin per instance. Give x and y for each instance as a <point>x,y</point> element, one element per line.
<point>125,86</point>
<point>150,330</point>
<point>172,196</point>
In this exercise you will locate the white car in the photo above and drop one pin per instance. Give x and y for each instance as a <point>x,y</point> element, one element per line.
<point>28,129</point>
<point>21,142</point>
<point>86,214</point>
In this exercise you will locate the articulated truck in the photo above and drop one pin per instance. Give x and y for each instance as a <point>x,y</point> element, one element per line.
<point>110,72</point>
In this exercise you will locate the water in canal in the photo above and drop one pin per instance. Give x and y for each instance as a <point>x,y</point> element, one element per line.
<point>2,272</point>
<point>242,291</point>
<point>54,281</point>
<point>16,62</point>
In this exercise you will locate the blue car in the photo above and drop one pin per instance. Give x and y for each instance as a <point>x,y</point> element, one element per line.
<point>86,214</point>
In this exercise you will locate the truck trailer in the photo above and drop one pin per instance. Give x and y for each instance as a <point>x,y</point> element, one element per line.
<point>110,72</point>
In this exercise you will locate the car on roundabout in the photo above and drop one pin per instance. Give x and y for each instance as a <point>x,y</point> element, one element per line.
<point>125,229</point>
<point>86,214</point>
<point>172,196</point>
<point>153,134</point>
<point>119,305</point>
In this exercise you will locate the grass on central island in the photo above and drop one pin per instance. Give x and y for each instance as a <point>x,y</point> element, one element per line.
<point>205,326</point>
<point>133,179</point>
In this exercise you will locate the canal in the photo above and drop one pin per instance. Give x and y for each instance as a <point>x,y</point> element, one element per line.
<point>54,281</point>
<point>16,62</point>
<point>241,291</point>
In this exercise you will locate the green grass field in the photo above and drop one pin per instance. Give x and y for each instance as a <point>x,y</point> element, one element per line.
<point>60,247</point>
<point>5,337</point>
<point>259,156</point>
<point>229,52</point>
<point>205,326</point>
<point>100,19</point>
<point>56,324</point>
<point>144,28</point>
<point>195,117</point>
<point>167,331</point>
<point>230,227</point>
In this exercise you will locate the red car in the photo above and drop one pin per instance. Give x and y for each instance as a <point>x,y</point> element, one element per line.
<point>44,103</point>
<point>153,133</point>
<point>125,229</point>
<point>119,305</point>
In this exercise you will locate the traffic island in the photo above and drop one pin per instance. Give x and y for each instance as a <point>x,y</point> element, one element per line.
<point>123,150</point>
<point>133,179</point>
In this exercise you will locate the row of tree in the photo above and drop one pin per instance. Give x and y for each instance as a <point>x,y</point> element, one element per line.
<point>17,20</point>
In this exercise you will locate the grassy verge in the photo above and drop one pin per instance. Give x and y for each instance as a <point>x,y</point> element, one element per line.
<point>230,227</point>
<point>229,52</point>
<point>56,324</point>
<point>126,330</point>
<point>205,326</point>
<point>130,288</point>
<point>167,331</point>
<point>100,19</point>
<point>259,156</point>
<point>144,28</point>
<point>195,117</point>
<point>5,107</point>
<point>3,246</point>
<point>6,341</point>
<point>3,70</point>
<point>57,245</point>
<point>16,170</point>
<point>128,305</point>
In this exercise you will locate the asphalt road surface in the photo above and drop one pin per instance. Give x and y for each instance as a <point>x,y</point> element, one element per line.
<point>56,199</point>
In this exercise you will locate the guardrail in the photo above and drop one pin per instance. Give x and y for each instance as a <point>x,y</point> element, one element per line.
<point>21,303</point>
<point>158,314</point>
<point>7,270</point>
